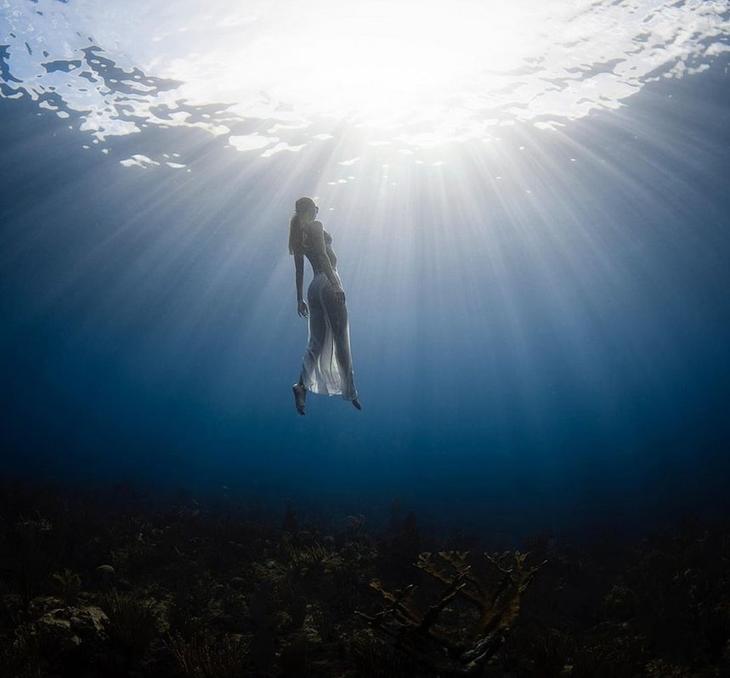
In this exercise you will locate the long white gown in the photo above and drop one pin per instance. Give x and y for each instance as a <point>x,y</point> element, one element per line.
<point>327,362</point>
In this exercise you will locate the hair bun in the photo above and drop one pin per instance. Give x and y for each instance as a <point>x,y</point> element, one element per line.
<point>304,203</point>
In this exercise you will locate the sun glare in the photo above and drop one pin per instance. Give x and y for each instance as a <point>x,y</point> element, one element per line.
<point>382,63</point>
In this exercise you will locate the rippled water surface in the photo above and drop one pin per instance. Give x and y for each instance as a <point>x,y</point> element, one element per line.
<point>410,74</point>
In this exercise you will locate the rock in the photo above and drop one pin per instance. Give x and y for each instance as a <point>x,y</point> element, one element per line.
<point>65,628</point>
<point>105,570</point>
<point>309,630</point>
<point>89,622</point>
<point>42,604</point>
<point>55,634</point>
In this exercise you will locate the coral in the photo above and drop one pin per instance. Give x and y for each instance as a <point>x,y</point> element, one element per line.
<point>447,647</point>
<point>68,584</point>
<point>373,656</point>
<point>133,623</point>
<point>113,584</point>
<point>204,656</point>
<point>302,558</point>
<point>21,656</point>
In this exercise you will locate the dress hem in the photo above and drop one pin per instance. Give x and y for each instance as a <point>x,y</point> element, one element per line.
<point>342,395</point>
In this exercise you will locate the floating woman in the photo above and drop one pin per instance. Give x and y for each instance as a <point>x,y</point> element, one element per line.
<point>327,362</point>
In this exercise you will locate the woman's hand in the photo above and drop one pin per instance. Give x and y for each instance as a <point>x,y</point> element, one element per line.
<point>340,295</point>
<point>302,309</point>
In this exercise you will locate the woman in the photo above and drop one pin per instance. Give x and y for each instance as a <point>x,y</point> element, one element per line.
<point>327,363</point>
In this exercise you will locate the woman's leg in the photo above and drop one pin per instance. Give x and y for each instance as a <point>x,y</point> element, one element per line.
<point>300,395</point>
<point>337,312</point>
<point>308,375</point>
<point>315,343</point>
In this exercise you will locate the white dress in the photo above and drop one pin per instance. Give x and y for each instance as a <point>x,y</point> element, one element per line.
<point>327,363</point>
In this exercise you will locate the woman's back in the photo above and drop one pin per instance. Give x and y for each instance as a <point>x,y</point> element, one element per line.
<point>312,252</point>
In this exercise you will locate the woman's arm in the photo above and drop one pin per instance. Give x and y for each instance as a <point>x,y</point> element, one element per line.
<point>299,275</point>
<point>302,309</point>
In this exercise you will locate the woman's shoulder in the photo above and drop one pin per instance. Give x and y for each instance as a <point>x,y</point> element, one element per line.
<point>317,227</point>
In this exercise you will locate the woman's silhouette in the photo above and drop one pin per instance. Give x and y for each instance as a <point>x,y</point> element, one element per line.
<point>327,362</point>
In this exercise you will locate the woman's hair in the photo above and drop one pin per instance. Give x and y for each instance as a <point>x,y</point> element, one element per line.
<point>296,233</point>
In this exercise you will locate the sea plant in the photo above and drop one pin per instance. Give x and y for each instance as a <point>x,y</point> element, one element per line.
<point>447,644</point>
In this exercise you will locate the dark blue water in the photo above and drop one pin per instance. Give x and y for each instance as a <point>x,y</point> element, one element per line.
<point>545,350</point>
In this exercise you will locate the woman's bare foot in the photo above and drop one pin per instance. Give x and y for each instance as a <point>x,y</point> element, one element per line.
<point>357,404</point>
<point>300,394</point>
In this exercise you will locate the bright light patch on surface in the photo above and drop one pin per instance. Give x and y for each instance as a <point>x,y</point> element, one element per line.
<point>251,142</point>
<point>415,74</point>
<point>387,62</point>
<point>138,160</point>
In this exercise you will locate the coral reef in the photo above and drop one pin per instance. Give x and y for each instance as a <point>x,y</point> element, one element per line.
<point>458,645</point>
<point>115,583</point>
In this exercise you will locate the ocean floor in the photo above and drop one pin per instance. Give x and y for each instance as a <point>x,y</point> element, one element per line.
<point>113,582</point>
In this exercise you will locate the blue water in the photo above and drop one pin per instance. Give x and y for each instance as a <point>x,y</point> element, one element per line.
<point>540,321</point>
